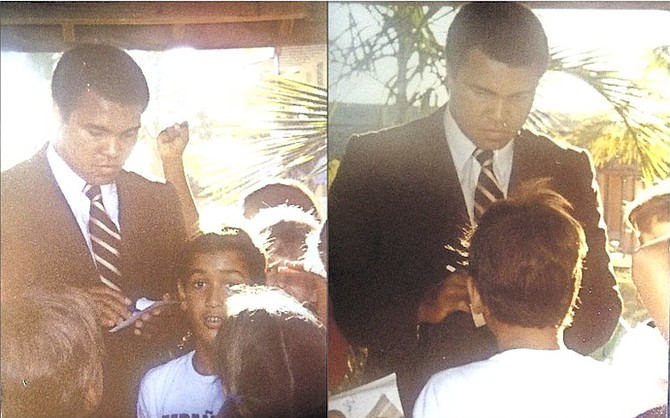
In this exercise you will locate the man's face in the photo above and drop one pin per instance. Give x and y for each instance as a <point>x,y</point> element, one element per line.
<point>98,136</point>
<point>489,100</point>
<point>204,292</point>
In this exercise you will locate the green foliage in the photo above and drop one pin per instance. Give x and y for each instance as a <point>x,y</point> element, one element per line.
<point>407,37</point>
<point>638,132</point>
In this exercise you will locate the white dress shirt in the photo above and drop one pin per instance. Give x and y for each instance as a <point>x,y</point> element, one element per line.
<point>72,187</point>
<point>467,166</point>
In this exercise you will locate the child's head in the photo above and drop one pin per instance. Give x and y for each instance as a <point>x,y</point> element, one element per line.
<point>649,214</point>
<point>280,192</point>
<point>211,263</point>
<point>287,231</point>
<point>271,354</point>
<point>525,259</point>
<point>52,353</point>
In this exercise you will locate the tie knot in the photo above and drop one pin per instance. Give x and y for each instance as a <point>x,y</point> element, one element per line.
<point>92,192</point>
<point>484,156</point>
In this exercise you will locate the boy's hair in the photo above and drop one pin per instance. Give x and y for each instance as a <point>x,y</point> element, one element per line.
<point>104,69</point>
<point>526,257</point>
<point>52,353</point>
<point>508,32</point>
<point>287,230</point>
<point>280,192</point>
<point>651,205</point>
<point>229,239</point>
<point>271,356</point>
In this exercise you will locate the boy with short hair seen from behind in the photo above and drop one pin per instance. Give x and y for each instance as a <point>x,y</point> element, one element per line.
<point>52,354</point>
<point>211,263</point>
<point>525,266</point>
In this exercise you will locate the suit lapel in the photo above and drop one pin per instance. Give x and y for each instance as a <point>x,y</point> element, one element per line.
<point>61,232</point>
<point>523,163</point>
<point>129,226</point>
<point>446,173</point>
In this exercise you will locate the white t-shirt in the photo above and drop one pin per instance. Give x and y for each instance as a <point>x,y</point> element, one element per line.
<point>643,350</point>
<point>537,383</point>
<point>177,389</point>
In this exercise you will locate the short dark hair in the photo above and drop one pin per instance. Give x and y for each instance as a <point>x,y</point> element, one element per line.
<point>52,353</point>
<point>526,257</point>
<point>271,356</point>
<point>508,32</point>
<point>230,238</point>
<point>104,69</point>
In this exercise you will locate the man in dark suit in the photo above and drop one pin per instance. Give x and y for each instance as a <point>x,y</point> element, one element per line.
<point>99,95</point>
<point>403,197</point>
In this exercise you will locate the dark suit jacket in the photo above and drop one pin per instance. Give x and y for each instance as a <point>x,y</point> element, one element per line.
<point>395,204</point>
<point>42,243</point>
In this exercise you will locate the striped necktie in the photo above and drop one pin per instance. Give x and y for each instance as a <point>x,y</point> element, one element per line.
<point>488,189</point>
<point>105,239</point>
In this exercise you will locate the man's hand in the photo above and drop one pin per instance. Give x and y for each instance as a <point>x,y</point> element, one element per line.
<point>113,307</point>
<point>148,323</point>
<point>172,142</point>
<point>450,296</point>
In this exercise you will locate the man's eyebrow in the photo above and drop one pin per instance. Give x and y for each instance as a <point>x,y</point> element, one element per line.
<point>135,128</point>
<point>489,91</point>
<point>104,128</point>
<point>479,87</point>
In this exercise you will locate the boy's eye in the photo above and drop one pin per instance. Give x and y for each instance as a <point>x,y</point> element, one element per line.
<point>198,284</point>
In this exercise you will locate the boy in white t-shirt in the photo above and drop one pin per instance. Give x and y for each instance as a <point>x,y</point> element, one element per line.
<point>188,385</point>
<point>525,266</point>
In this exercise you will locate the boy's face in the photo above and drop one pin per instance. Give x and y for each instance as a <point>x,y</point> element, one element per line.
<point>203,292</point>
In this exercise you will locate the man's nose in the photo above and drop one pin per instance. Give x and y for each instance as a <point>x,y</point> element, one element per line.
<point>112,147</point>
<point>498,109</point>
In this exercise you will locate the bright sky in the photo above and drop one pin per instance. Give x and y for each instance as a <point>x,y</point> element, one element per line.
<point>628,34</point>
<point>183,82</point>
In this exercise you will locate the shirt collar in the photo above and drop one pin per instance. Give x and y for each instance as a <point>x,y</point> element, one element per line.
<point>462,148</point>
<point>69,181</point>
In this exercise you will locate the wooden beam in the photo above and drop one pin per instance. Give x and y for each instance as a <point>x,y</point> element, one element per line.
<point>53,27</point>
<point>148,13</point>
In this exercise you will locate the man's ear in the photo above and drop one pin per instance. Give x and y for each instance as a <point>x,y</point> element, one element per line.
<point>182,295</point>
<point>475,298</point>
<point>57,113</point>
<point>448,81</point>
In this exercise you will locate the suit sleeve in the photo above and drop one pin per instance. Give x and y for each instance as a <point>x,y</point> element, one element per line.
<point>372,301</point>
<point>174,233</point>
<point>599,306</point>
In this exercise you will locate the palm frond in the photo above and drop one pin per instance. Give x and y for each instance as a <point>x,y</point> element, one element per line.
<point>286,138</point>
<point>637,107</point>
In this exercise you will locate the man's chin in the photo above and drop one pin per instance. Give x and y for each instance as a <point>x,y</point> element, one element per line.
<point>101,177</point>
<point>493,142</point>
